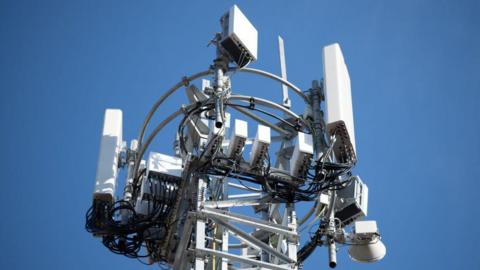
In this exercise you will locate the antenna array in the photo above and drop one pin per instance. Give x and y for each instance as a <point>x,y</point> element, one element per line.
<point>218,202</point>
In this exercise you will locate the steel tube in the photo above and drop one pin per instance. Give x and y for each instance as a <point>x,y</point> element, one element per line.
<point>238,258</point>
<point>274,77</point>
<point>332,254</point>
<point>247,237</point>
<point>263,102</point>
<point>261,120</point>
<point>155,106</point>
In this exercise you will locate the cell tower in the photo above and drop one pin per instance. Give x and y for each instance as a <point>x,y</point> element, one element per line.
<point>218,202</point>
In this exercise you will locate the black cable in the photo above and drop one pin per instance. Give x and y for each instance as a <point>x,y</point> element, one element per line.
<point>254,108</point>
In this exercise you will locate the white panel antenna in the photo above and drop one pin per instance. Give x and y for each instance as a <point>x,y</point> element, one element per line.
<point>338,97</point>
<point>110,147</point>
<point>239,37</point>
<point>302,154</point>
<point>238,138</point>
<point>260,145</point>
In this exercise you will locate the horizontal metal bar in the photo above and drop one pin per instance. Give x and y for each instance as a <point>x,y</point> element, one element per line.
<point>264,102</point>
<point>245,195</point>
<point>248,238</point>
<point>243,187</point>
<point>232,203</point>
<point>213,239</point>
<point>238,258</point>
<point>257,223</point>
<point>237,246</point>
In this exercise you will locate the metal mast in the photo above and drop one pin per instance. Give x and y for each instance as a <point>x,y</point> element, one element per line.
<point>214,205</point>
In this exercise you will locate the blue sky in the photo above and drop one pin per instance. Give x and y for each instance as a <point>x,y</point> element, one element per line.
<point>414,67</point>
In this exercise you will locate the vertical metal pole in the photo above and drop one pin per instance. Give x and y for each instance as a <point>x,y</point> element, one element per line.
<point>292,223</point>
<point>285,221</point>
<point>244,253</point>
<point>316,98</point>
<point>219,83</point>
<point>200,226</point>
<point>283,68</point>
<point>264,256</point>
<point>224,195</point>
<point>332,250</point>
<point>127,191</point>
<point>332,253</point>
<point>224,249</point>
<point>219,87</point>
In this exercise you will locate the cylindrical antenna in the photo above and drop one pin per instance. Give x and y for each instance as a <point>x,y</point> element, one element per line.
<point>332,253</point>
<point>283,68</point>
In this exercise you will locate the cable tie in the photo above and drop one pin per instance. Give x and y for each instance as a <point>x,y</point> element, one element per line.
<point>252,103</point>
<point>298,127</point>
<point>185,81</point>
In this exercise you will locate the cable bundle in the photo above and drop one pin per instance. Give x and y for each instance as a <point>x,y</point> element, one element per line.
<point>124,231</point>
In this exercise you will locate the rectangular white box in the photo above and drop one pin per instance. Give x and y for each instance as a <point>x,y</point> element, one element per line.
<point>110,147</point>
<point>227,120</point>
<point>338,96</point>
<point>366,227</point>
<point>162,173</point>
<point>238,138</point>
<point>324,199</point>
<point>302,153</point>
<point>164,164</point>
<point>260,145</point>
<point>352,201</point>
<point>240,38</point>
